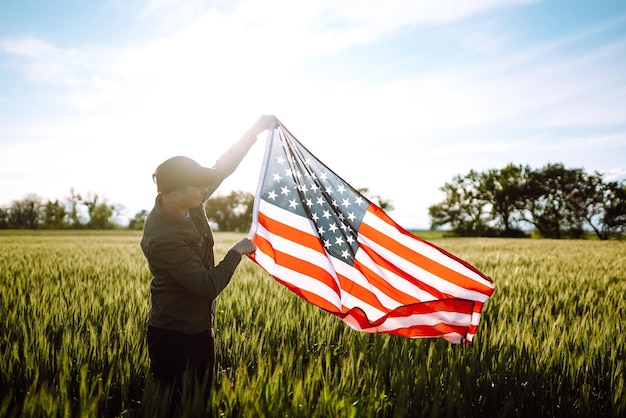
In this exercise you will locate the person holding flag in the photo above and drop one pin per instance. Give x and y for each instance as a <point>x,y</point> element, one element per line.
<point>178,244</point>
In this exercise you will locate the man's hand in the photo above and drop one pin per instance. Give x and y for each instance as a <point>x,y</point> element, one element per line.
<point>244,246</point>
<point>263,124</point>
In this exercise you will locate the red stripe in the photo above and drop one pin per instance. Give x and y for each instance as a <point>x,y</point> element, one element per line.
<point>361,293</point>
<point>418,259</point>
<point>290,233</point>
<point>382,215</point>
<point>415,331</point>
<point>384,263</point>
<point>314,298</point>
<point>381,284</point>
<point>297,264</point>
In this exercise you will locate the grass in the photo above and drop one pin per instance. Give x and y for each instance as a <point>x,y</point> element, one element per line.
<point>550,343</point>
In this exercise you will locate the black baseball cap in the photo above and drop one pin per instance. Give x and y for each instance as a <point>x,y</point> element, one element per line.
<point>180,172</point>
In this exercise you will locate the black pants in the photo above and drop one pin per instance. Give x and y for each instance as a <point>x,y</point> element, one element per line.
<point>172,352</point>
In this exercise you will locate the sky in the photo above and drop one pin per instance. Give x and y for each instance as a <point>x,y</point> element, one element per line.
<point>397,96</point>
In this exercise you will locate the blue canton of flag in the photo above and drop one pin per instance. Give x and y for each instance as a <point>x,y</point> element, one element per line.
<point>301,184</point>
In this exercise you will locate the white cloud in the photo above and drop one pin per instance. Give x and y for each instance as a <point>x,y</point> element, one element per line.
<point>614,174</point>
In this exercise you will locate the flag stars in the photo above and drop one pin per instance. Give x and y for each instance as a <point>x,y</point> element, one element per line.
<point>299,184</point>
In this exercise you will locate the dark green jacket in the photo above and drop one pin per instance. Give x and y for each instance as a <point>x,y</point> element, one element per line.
<point>186,280</point>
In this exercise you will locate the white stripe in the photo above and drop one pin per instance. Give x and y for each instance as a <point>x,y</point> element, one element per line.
<point>423,248</point>
<point>371,313</point>
<point>395,281</point>
<point>298,279</point>
<point>423,275</point>
<point>452,337</point>
<point>475,318</point>
<point>288,218</point>
<point>294,249</point>
<point>429,319</point>
<point>299,251</point>
<point>353,274</point>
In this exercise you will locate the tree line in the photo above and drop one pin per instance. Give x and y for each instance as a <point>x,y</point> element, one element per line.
<point>79,211</point>
<point>555,201</point>
<point>232,212</point>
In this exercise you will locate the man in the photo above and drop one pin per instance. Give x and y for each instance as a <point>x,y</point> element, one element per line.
<point>178,243</point>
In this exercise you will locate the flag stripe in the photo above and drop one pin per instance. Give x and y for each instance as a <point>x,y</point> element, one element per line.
<point>305,286</point>
<point>438,285</point>
<point>380,221</point>
<point>378,278</point>
<point>389,242</point>
<point>400,278</point>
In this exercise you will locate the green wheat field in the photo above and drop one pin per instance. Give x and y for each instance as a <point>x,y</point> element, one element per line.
<point>551,340</point>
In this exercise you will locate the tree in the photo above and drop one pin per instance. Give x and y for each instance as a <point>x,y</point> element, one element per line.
<point>100,217</point>
<point>138,220</point>
<point>100,212</point>
<point>25,214</point>
<point>464,208</point>
<point>232,212</point>
<point>614,217</point>
<point>547,202</point>
<point>587,203</point>
<point>54,214</point>
<point>4,218</point>
<point>503,189</point>
<point>73,217</point>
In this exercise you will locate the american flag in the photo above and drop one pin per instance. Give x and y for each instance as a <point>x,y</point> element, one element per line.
<point>331,246</point>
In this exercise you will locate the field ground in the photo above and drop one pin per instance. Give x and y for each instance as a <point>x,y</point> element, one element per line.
<point>551,340</point>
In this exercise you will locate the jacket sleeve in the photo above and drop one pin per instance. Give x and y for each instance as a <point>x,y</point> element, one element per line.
<point>181,263</point>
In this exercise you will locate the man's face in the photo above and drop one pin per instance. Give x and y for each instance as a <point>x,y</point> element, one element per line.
<point>191,196</point>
